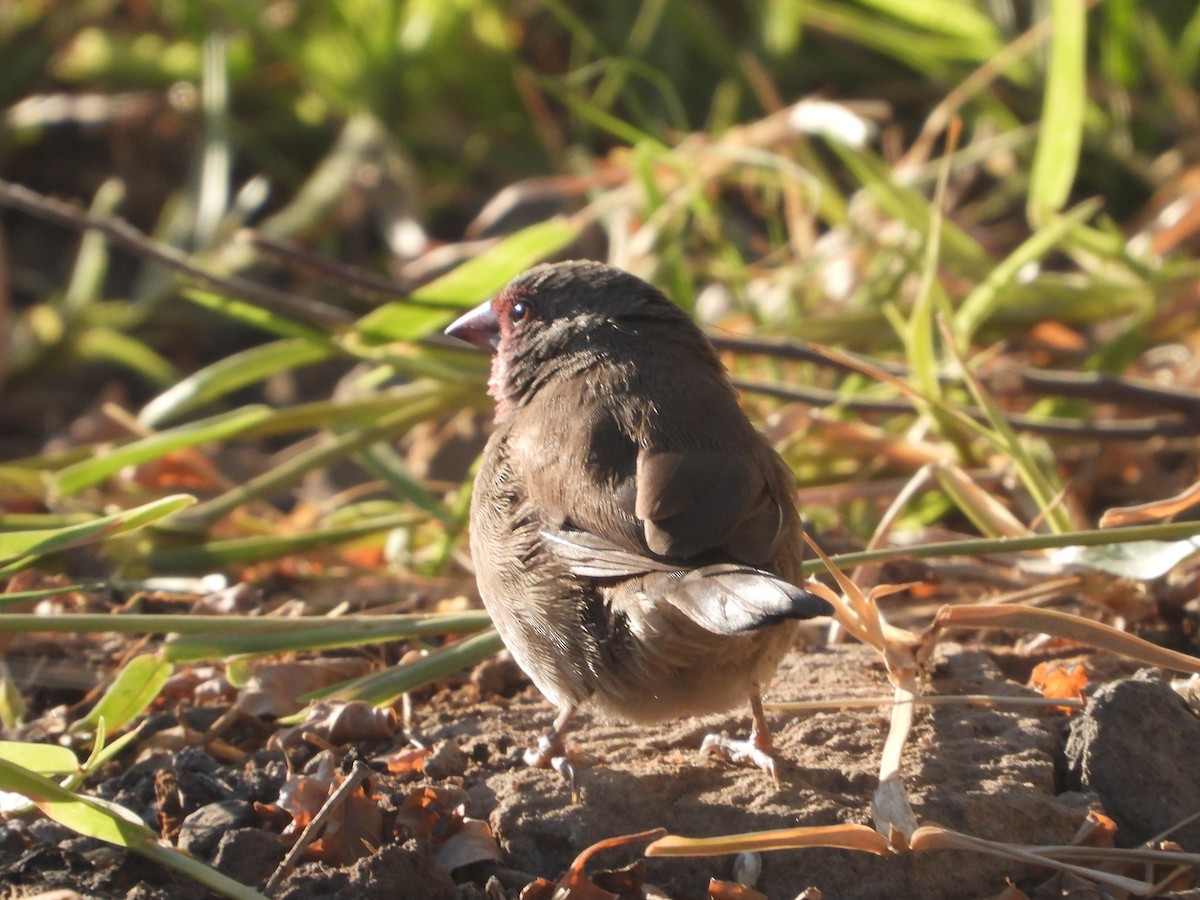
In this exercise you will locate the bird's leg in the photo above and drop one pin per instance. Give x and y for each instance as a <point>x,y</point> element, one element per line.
<point>550,744</point>
<point>754,751</point>
<point>551,751</point>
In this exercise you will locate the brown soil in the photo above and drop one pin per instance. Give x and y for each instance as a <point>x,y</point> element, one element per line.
<point>986,772</point>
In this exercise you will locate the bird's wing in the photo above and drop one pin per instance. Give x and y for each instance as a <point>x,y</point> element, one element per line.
<point>723,598</point>
<point>699,500</point>
<point>731,599</point>
<point>588,555</point>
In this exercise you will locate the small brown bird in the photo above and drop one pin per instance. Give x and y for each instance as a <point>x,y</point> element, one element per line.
<point>635,540</point>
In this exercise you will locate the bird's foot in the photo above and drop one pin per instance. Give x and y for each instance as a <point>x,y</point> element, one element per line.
<point>551,753</point>
<point>549,747</point>
<point>750,752</point>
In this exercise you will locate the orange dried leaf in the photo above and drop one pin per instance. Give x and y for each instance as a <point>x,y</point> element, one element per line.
<point>1055,334</point>
<point>433,813</point>
<point>1156,509</point>
<point>731,890</point>
<point>364,557</point>
<point>184,469</point>
<point>842,837</point>
<point>407,759</point>
<point>1097,830</point>
<point>575,882</point>
<point>1058,682</point>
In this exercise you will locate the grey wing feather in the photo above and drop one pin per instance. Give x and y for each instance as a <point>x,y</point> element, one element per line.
<point>731,599</point>
<point>590,556</point>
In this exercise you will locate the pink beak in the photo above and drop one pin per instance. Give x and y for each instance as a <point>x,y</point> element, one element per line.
<point>477,326</point>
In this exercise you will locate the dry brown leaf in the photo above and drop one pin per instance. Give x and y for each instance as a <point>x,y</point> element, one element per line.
<point>1058,336</point>
<point>438,815</point>
<point>840,837</point>
<point>433,813</point>
<point>273,688</point>
<point>472,843</point>
<point>1065,625</point>
<point>1156,509</point>
<point>342,722</point>
<point>364,557</point>
<point>575,884</point>
<point>351,831</point>
<point>302,797</point>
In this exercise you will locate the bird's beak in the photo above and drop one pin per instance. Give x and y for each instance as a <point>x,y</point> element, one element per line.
<point>478,326</point>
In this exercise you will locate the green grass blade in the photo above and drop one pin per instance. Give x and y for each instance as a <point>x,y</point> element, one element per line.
<point>230,374</point>
<point>381,688</point>
<point>436,399</point>
<point>92,471</point>
<point>135,687</point>
<point>98,344</point>
<point>16,544</point>
<point>982,302</point>
<point>324,634</point>
<point>245,551</point>
<point>16,597</point>
<point>366,629</point>
<point>44,759</point>
<point>255,316</point>
<point>1056,158</point>
<point>1041,482</point>
<point>467,285</point>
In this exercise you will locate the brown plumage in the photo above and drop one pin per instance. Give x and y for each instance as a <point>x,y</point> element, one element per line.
<point>635,539</point>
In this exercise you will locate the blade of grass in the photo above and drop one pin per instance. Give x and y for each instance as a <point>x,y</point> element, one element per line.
<point>382,688</point>
<point>255,316</point>
<point>44,759</point>
<point>133,690</point>
<point>27,596</point>
<point>984,300</point>
<point>934,837</point>
<point>26,544</point>
<point>843,837</point>
<point>216,428</point>
<point>1056,157</point>
<point>230,374</point>
<point>436,399</point>
<point>100,344</point>
<point>1042,483</point>
<point>984,546</point>
<point>226,554</point>
<point>333,635</point>
<point>365,629</point>
<point>474,280</point>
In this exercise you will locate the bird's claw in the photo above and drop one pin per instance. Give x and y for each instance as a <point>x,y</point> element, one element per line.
<point>741,753</point>
<point>551,753</point>
<point>564,767</point>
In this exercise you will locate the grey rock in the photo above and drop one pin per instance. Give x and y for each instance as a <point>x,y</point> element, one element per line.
<point>202,830</point>
<point>1137,746</point>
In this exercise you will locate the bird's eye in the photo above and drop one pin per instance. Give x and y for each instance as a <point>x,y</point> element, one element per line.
<point>519,312</point>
